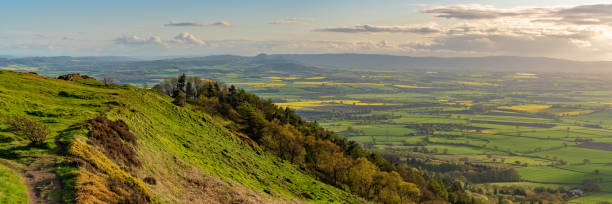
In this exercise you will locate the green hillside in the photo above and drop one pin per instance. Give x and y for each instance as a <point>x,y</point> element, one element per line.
<point>183,155</point>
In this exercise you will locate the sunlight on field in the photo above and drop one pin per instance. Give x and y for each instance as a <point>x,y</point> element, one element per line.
<point>283,78</point>
<point>411,86</point>
<point>474,83</point>
<point>525,76</point>
<point>493,131</point>
<point>19,68</point>
<point>261,84</point>
<point>333,83</point>
<point>574,113</point>
<point>462,103</point>
<point>303,104</point>
<point>526,108</point>
<point>315,78</point>
<point>373,77</point>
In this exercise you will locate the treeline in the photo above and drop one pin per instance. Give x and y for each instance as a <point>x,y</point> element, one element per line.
<point>475,173</point>
<point>471,174</point>
<point>335,160</point>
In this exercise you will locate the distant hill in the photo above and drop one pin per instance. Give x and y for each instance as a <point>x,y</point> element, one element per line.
<point>493,63</point>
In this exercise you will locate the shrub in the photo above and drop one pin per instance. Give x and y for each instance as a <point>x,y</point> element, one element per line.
<point>34,132</point>
<point>107,81</point>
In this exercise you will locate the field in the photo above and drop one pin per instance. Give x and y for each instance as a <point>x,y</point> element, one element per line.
<point>558,138</point>
<point>554,128</point>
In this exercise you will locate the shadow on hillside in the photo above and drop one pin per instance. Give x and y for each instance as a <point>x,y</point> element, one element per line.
<point>21,151</point>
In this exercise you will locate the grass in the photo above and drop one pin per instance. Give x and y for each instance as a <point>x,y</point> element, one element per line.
<point>592,198</point>
<point>474,83</point>
<point>550,175</point>
<point>12,188</point>
<point>175,144</point>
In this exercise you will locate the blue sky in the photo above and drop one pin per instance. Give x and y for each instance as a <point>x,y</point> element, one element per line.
<point>563,29</point>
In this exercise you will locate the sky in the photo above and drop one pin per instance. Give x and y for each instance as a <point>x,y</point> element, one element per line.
<point>568,29</point>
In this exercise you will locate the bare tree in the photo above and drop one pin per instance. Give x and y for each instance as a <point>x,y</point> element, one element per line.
<point>107,81</point>
<point>21,126</point>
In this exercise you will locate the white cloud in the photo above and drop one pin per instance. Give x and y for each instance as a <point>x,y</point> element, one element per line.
<point>197,24</point>
<point>139,41</point>
<point>183,24</point>
<point>187,39</point>
<point>222,24</point>
<point>418,29</point>
<point>595,14</point>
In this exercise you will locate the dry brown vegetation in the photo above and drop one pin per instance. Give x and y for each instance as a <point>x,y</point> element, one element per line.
<point>115,141</point>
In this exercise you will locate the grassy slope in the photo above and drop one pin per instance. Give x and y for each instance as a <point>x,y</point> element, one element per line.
<point>175,144</point>
<point>12,189</point>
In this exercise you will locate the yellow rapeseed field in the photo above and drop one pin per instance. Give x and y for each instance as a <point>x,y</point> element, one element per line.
<point>333,83</point>
<point>411,86</point>
<point>572,113</point>
<point>260,84</point>
<point>474,83</point>
<point>283,78</point>
<point>526,108</point>
<point>463,103</point>
<point>315,78</point>
<point>303,104</point>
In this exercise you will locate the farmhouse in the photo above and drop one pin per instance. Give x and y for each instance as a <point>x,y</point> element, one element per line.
<point>575,192</point>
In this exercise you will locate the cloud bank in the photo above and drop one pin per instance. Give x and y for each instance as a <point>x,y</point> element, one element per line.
<point>184,39</point>
<point>418,29</point>
<point>197,24</point>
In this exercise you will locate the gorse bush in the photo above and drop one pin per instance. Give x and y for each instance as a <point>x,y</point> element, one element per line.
<point>24,127</point>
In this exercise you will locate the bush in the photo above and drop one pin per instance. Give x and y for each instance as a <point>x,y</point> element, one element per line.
<point>21,126</point>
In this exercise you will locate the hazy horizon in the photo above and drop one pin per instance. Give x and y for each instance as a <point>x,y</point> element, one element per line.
<point>568,29</point>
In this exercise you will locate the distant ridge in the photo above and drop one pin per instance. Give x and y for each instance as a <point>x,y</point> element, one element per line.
<point>492,63</point>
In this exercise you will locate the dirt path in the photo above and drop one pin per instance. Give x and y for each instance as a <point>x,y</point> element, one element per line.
<point>42,182</point>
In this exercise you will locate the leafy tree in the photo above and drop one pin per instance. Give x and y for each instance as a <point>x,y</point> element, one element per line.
<point>189,91</point>
<point>179,97</point>
<point>181,82</point>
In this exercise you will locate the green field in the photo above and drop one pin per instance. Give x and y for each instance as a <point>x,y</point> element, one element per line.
<point>555,128</point>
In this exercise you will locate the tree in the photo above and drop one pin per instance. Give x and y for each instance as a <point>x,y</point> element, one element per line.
<point>360,176</point>
<point>179,98</point>
<point>34,132</point>
<point>408,192</point>
<point>189,91</point>
<point>107,81</point>
<point>181,82</point>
